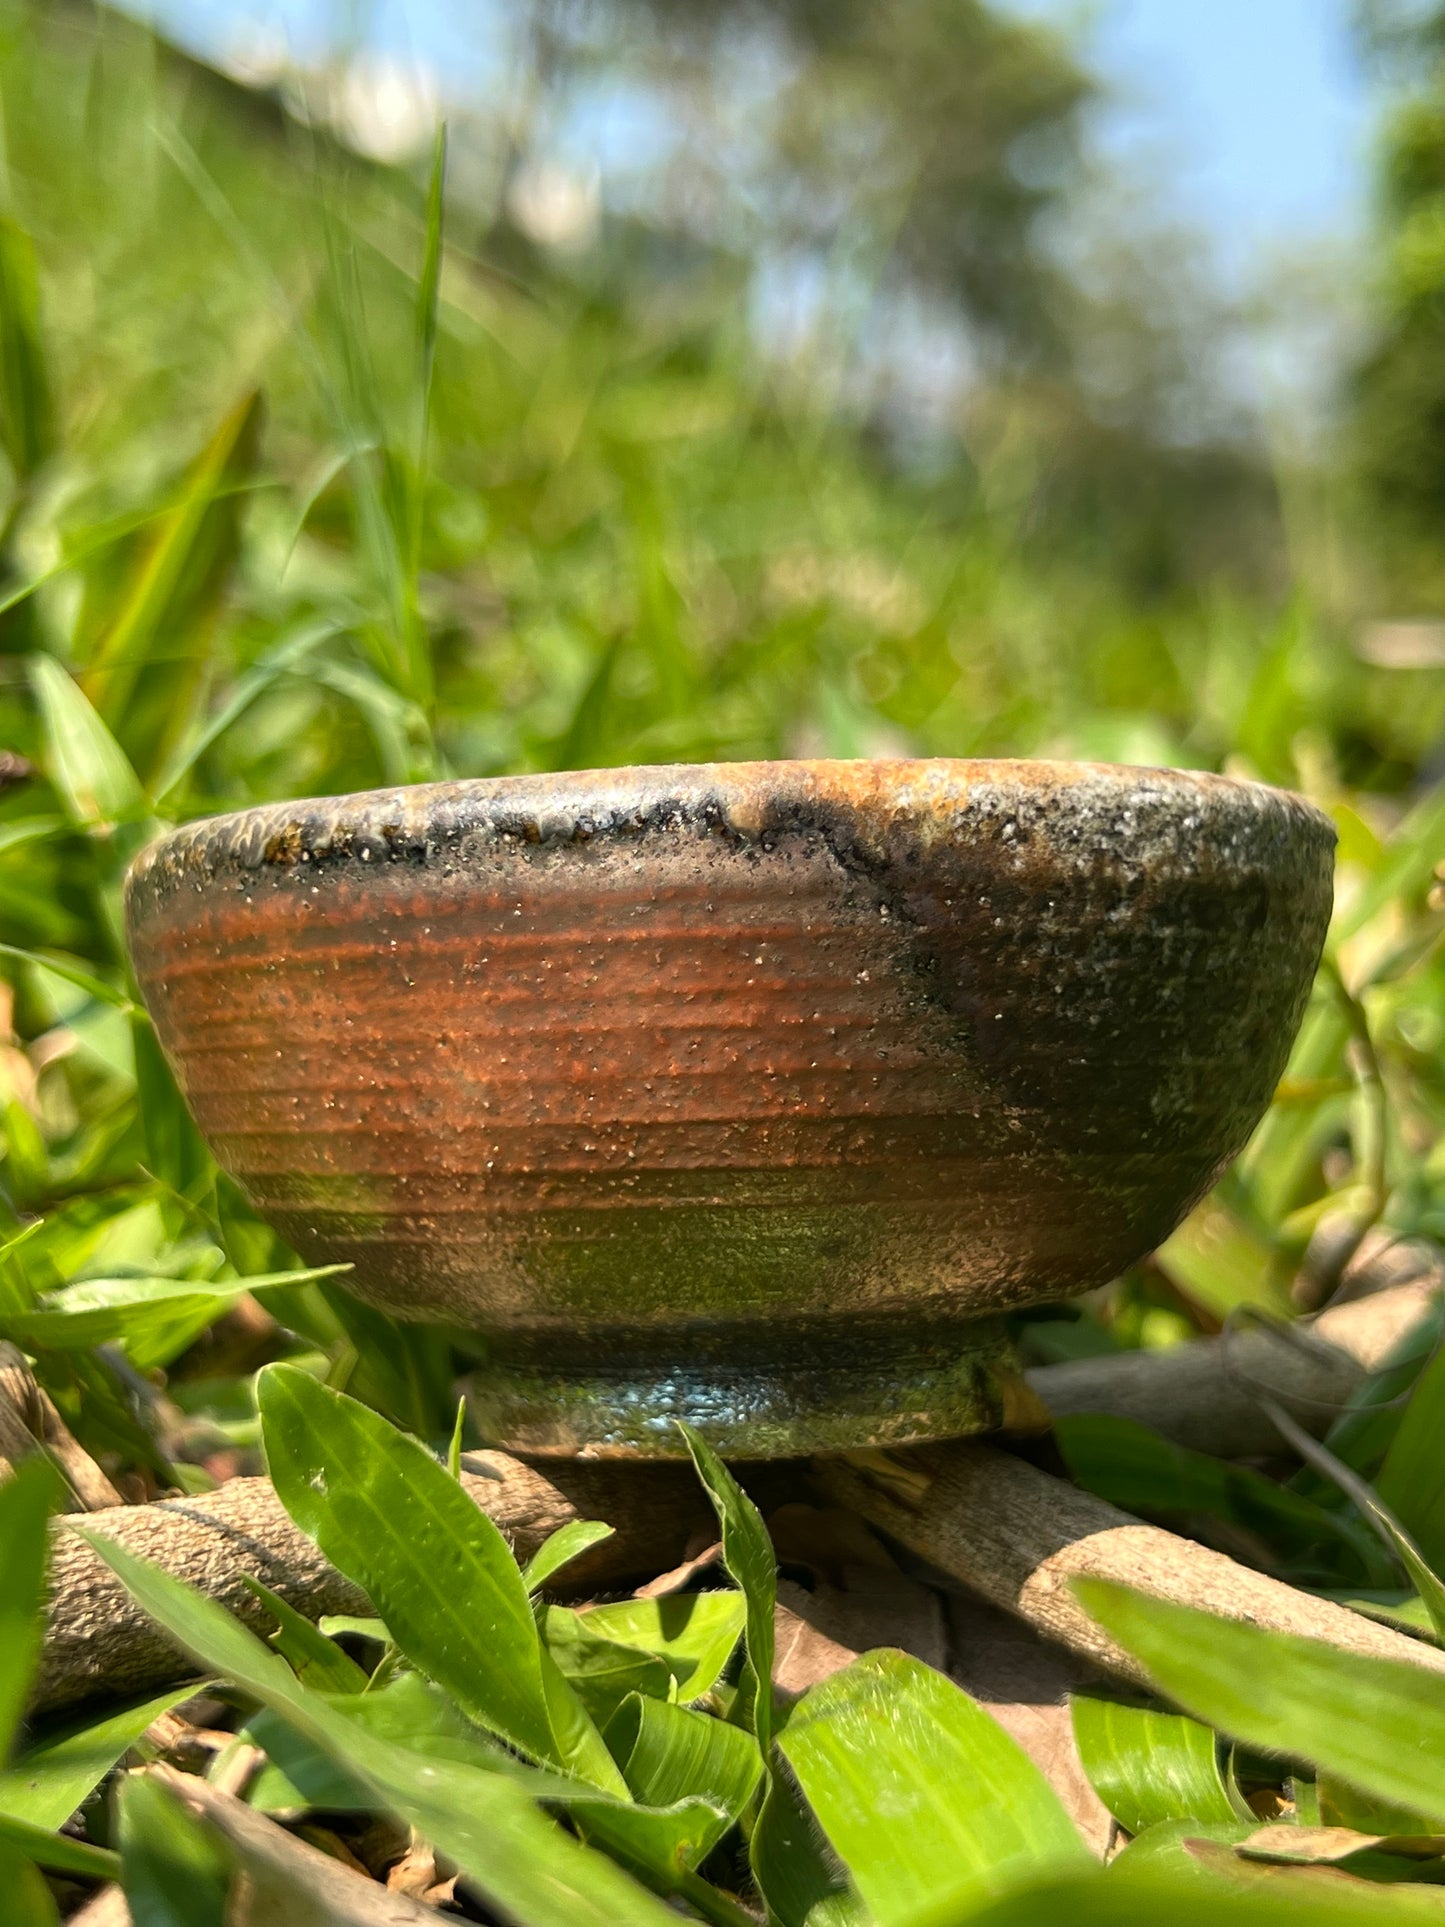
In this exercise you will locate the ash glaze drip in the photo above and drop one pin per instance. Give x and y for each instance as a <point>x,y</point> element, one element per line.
<point>770,1077</point>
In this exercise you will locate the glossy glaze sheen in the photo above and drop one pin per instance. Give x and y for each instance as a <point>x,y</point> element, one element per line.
<point>736,1090</point>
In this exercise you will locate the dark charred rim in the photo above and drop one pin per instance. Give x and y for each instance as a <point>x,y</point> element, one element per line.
<point>883,804</point>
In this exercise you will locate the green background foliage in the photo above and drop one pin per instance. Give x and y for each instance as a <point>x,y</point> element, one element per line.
<point>319,473</point>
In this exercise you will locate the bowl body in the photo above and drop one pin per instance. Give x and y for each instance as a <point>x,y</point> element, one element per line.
<point>748,1093</point>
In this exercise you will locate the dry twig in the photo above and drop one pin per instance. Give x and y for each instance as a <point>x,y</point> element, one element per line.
<point>1017,1536</point>
<point>99,1641</point>
<point>1207,1394</point>
<point>29,1422</point>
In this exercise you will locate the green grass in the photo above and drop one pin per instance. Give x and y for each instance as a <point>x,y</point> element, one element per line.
<point>309,491</point>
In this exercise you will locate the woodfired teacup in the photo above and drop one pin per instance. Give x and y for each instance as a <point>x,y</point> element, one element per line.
<point>749,1093</point>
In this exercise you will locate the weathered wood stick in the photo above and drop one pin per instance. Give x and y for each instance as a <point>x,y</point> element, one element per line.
<point>98,1640</point>
<point>280,1878</point>
<point>1017,1536</point>
<point>1205,1394</point>
<point>29,1422</point>
<point>1009,1532</point>
<point>283,1879</point>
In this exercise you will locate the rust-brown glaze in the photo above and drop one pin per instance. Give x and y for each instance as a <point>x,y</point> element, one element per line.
<point>736,1092</point>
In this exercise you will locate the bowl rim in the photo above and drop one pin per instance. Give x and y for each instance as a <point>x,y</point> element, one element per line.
<point>576,805</point>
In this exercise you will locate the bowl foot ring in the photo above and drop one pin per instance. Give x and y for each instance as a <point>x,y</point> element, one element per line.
<point>960,1382</point>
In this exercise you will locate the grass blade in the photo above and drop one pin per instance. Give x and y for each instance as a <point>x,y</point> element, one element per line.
<point>57,1851</point>
<point>90,771</point>
<point>25,1502</point>
<point>175,592</point>
<point>27,415</point>
<point>560,1548</point>
<point>176,1872</point>
<point>518,1859</point>
<point>748,1556</point>
<point>432,1563</point>
<point>50,1780</point>
<point>1380,1724</point>
<point>1151,1767</point>
<point>964,1811</point>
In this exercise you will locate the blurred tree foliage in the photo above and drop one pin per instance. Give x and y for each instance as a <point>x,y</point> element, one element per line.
<point>1398,414</point>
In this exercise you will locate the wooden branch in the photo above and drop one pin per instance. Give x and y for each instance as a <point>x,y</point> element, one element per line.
<point>1206,1394</point>
<point>99,1641</point>
<point>1007,1531</point>
<point>1017,1536</point>
<point>284,1879</point>
<point>29,1422</point>
<point>279,1878</point>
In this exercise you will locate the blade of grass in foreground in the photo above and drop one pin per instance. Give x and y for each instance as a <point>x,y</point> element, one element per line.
<point>924,1797</point>
<point>518,1859</point>
<point>25,1501</point>
<point>1378,1723</point>
<point>748,1556</point>
<point>436,1569</point>
<point>1149,1767</point>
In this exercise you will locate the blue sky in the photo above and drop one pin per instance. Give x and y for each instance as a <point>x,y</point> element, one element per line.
<point>1247,117</point>
<point>1251,115</point>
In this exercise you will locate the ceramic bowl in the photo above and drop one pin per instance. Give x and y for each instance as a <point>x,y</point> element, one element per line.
<point>749,1093</point>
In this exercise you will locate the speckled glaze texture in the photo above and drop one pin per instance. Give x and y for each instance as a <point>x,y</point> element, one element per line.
<point>742,1092</point>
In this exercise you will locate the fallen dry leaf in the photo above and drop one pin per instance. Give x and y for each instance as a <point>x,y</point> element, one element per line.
<point>1024,1682</point>
<point>698,1560</point>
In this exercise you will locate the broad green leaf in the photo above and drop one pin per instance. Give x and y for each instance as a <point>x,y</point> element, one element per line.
<point>1378,1723</point>
<point>366,1628</point>
<point>661,1843</point>
<point>432,1563</point>
<point>926,1800</point>
<point>27,415</point>
<point>408,1712</point>
<point>1341,1805</point>
<point>1167,1844</point>
<point>100,1311</point>
<point>314,1658</point>
<point>1147,1767</point>
<point>25,1503</point>
<point>795,1869</point>
<point>31,829</point>
<point>1136,1468</point>
<point>1159,1894</point>
<point>91,772</point>
<point>560,1548</point>
<point>668,1753</point>
<point>176,1871</point>
<point>57,1852</point>
<point>748,1556</point>
<point>602,1673</point>
<point>1409,1481</point>
<point>28,1899</point>
<point>51,1778</point>
<point>694,1634</point>
<point>518,1859</point>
